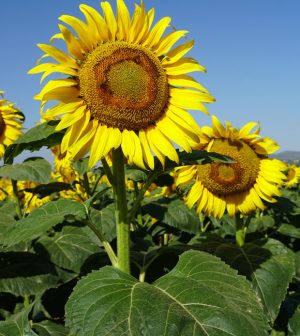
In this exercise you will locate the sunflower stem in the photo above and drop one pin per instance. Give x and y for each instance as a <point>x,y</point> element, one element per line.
<point>240,230</point>
<point>122,223</point>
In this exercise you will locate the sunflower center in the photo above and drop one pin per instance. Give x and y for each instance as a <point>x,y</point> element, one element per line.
<point>291,174</point>
<point>124,85</point>
<point>232,178</point>
<point>2,125</point>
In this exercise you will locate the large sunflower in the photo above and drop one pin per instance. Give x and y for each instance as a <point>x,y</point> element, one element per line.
<point>126,85</point>
<point>239,187</point>
<point>11,120</point>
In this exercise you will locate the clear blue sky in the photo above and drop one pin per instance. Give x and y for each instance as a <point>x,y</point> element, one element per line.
<point>251,49</point>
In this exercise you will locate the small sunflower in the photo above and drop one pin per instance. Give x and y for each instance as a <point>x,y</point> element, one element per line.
<point>239,187</point>
<point>292,176</point>
<point>11,120</point>
<point>123,85</point>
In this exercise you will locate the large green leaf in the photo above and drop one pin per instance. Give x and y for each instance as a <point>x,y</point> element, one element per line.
<point>294,323</point>
<point>200,296</point>
<point>34,139</point>
<point>40,220</point>
<point>24,273</point>
<point>68,248</point>
<point>34,169</point>
<point>48,328</point>
<point>269,265</point>
<point>175,213</point>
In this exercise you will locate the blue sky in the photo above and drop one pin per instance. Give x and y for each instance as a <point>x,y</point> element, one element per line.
<point>251,50</point>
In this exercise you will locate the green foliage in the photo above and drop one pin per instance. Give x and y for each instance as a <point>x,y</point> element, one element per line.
<point>201,296</point>
<point>33,169</point>
<point>188,275</point>
<point>41,220</point>
<point>34,139</point>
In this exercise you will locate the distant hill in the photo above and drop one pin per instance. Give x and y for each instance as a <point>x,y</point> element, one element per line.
<point>288,156</point>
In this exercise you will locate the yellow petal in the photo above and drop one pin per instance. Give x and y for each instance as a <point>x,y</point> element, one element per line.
<point>73,44</point>
<point>157,31</point>
<point>183,66</point>
<point>147,155</point>
<point>110,19</point>
<point>58,55</point>
<point>123,20</point>
<point>186,81</point>
<point>81,29</point>
<point>177,53</point>
<point>162,143</point>
<point>69,119</point>
<point>170,129</point>
<point>167,42</point>
<point>218,128</point>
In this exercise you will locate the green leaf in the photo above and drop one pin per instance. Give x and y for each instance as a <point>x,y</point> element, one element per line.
<point>289,230</point>
<point>40,220</point>
<point>17,325</point>
<point>175,213</point>
<point>269,265</point>
<point>200,296</point>
<point>68,248</point>
<point>261,224</point>
<point>48,328</point>
<point>44,190</point>
<point>34,139</point>
<point>294,323</point>
<point>34,169</point>
<point>24,273</point>
<point>81,166</point>
<point>7,215</point>
<point>135,174</point>
<point>105,220</point>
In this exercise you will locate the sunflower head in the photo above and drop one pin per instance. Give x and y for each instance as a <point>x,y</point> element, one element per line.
<point>11,120</point>
<point>123,83</point>
<point>241,186</point>
<point>292,176</point>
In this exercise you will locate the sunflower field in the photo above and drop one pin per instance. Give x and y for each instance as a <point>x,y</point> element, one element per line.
<point>145,223</point>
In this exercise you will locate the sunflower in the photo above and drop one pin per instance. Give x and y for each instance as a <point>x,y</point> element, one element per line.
<point>11,120</point>
<point>292,176</point>
<point>241,186</point>
<point>124,84</point>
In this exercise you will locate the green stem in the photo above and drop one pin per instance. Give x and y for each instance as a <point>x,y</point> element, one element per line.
<point>140,196</point>
<point>108,171</point>
<point>122,223</point>
<point>86,184</point>
<point>240,230</point>
<point>96,184</point>
<point>16,196</point>
<point>110,252</point>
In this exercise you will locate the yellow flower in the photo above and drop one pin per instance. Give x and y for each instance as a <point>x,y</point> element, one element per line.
<point>292,176</point>
<point>241,186</point>
<point>63,164</point>
<point>29,200</point>
<point>6,189</point>
<point>124,85</point>
<point>11,120</point>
